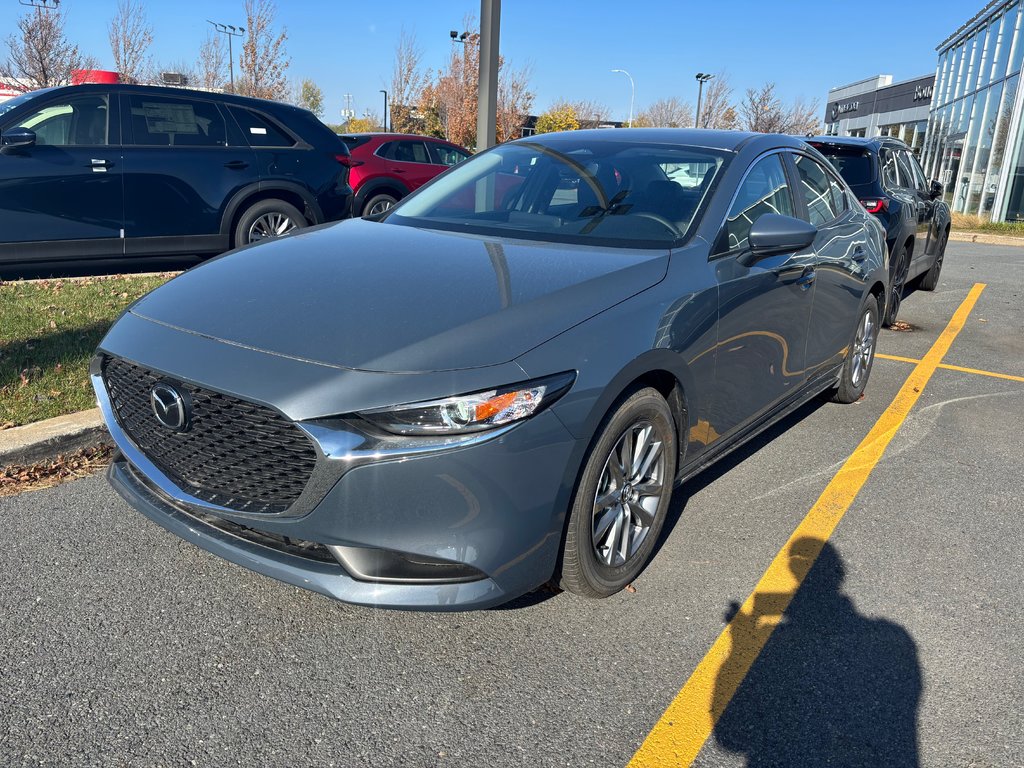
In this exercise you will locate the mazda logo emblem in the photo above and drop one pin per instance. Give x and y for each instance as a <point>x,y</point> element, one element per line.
<point>173,409</point>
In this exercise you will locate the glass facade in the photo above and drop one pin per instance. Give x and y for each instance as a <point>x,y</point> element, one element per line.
<point>973,143</point>
<point>911,134</point>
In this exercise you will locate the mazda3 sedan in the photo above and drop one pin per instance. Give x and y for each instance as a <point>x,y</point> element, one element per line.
<point>500,380</point>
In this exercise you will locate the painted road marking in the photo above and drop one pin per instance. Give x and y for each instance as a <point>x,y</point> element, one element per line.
<point>689,720</point>
<point>960,368</point>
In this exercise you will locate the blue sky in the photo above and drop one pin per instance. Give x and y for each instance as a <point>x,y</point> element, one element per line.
<point>571,46</point>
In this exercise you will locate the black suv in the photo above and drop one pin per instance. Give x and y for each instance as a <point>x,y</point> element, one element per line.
<point>127,171</point>
<point>888,180</point>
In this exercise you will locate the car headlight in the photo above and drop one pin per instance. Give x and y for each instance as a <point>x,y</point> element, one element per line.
<point>475,412</point>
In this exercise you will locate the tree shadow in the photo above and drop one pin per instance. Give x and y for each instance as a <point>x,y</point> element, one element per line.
<point>830,686</point>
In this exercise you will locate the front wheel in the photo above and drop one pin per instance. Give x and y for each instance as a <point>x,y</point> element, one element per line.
<point>622,497</point>
<point>857,368</point>
<point>266,220</point>
<point>378,204</point>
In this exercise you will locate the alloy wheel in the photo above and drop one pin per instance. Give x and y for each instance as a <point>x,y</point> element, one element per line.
<point>899,281</point>
<point>270,225</point>
<point>863,349</point>
<point>628,494</point>
<point>379,207</point>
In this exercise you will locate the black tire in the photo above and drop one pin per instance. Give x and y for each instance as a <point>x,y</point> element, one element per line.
<point>857,366</point>
<point>897,283</point>
<point>930,279</point>
<point>608,544</point>
<point>378,204</point>
<point>266,220</point>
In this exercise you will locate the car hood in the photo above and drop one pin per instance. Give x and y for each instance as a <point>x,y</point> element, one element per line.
<point>383,297</point>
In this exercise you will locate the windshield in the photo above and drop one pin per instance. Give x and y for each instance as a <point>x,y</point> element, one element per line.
<point>623,193</point>
<point>17,101</point>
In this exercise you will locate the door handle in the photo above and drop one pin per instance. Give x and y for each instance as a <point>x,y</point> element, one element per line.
<point>806,280</point>
<point>236,165</point>
<point>859,254</point>
<point>99,165</point>
<point>397,170</point>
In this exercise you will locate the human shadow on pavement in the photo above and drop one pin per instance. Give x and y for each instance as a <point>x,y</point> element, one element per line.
<point>831,686</point>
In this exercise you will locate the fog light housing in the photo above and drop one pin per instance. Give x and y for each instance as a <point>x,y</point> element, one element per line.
<point>390,567</point>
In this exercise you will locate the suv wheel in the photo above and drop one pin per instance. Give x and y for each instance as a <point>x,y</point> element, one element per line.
<point>930,280</point>
<point>897,283</point>
<point>378,204</point>
<point>266,220</point>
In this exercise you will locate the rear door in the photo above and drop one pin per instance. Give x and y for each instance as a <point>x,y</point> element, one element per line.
<point>183,161</point>
<point>410,161</point>
<point>63,197</point>
<point>918,187</point>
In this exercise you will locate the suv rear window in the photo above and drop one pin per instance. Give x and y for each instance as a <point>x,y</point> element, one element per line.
<point>259,131</point>
<point>854,165</point>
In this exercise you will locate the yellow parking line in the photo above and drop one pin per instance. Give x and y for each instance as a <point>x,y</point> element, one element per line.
<point>947,367</point>
<point>686,724</point>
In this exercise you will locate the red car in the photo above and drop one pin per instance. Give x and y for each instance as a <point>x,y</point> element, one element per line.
<point>385,167</point>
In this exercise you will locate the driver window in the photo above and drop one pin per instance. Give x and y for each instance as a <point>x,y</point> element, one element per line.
<point>78,121</point>
<point>764,190</point>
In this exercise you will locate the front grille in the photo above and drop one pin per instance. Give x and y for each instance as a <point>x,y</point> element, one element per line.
<point>236,454</point>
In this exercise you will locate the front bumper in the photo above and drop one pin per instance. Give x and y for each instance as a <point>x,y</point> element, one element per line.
<point>496,505</point>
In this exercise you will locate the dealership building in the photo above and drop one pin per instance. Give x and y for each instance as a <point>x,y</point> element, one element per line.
<point>879,107</point>
<point>974,145</point>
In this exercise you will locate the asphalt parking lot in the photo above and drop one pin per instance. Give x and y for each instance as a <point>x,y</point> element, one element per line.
<point>123,645</point>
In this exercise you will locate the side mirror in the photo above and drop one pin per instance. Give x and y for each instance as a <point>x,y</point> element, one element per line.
<point>771,234</point>
<point>16,138</point>
<point>935,190</point>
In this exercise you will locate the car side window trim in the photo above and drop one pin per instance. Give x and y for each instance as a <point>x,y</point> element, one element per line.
<point>838,214</point>
<point>717,254</point>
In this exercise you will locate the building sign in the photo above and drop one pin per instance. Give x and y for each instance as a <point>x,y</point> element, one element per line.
<point>841,109</point>
<point>923,92</point>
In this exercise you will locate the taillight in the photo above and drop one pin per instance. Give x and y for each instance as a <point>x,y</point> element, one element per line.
<point>875,204</point>
<point>348,161</point>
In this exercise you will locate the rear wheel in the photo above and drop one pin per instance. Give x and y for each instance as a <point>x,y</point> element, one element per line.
<point>897,283</point>
<point>930,280</point>
<point>378,204</point>
<point>857,368</point>
<point>266,220</point>
<point>622,497</point>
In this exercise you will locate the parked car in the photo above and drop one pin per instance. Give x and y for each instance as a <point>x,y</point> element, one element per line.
<point>128,171</point>
<point>388,166</point>
<point>503,379</point>
<point>888,180</point>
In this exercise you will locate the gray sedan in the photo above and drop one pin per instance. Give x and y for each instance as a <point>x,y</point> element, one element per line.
<point>499,381</point>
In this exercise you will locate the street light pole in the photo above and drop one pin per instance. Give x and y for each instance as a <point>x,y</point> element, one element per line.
<point>385,110</point>
<point>632,93</point>
<point>702,77</point>
<point>231,31</point>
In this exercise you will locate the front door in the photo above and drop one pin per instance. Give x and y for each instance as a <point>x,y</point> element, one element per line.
<point>62,198</point>
<point>764,309</point>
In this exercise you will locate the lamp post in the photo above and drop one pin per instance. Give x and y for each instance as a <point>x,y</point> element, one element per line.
<point>230,31</point>
<point>702,77</point>
<point>385,110</point>
<point>632,93</point>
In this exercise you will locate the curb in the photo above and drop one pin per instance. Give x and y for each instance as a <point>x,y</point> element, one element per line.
<point>44,440</point>
<point>986,239</point>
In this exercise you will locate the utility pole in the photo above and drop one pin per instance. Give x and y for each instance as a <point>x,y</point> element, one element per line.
<point>487,97</point>
<point>230,31</point>
<point>702,78</point>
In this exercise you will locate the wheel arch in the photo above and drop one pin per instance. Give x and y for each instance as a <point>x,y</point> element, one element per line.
<point>380,185</point>
<point>245,198</point>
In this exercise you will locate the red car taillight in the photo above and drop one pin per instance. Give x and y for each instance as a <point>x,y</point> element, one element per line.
<point>348,161</point>
<point>875,204</point>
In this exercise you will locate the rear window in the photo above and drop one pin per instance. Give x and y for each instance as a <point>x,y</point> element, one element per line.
<point>854,166</point>
<point>260,131</point>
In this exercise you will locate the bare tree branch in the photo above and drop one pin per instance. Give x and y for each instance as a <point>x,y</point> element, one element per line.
<point>407,82</point>
<point>716,108</point>
<point>666,113</point>
<point>263,61</point>
<point>130,38</point>
<point>40,55</point>
<point>212,71</point>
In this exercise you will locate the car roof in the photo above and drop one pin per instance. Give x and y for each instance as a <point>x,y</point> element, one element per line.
<point>156,90</point>
<point>386,135</point>
<point>873,143</point>
<point>730,141</point>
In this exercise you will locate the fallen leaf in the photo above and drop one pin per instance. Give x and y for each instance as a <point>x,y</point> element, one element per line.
<point>630,588</point>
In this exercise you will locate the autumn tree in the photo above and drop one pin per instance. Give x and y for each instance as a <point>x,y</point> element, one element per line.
<point>40,54</point>
<point>311,97</point>
<point>407,83</point>
<point>514,101</point>
<point>130,38</point>
<point>716,108</point>
<point>763,112</point>
<point>212,65</point>
<point>802,118</point>
<point>666,113</point>
<point>264,60</point>
<point>368,123</point>
<point>560,117</point>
